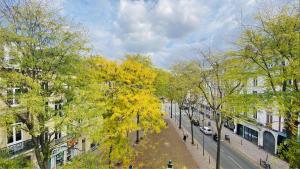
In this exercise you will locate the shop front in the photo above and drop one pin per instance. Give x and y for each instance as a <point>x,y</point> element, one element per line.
<point>251,135</point>
<point>58,156</point>
<point>247,133</point>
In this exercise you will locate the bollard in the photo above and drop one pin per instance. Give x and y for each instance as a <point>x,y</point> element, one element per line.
<point>197,146</point>
<point>170,165</point>
<point>241,142</point>
<point>208,159</point>
<point>260,161</point>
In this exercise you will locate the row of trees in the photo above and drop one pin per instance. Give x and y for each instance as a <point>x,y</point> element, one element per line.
<point>44,56</point>
<point>268,50</point>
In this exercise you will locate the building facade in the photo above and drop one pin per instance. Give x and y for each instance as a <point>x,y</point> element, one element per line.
<point>265,127</point>
<point>15,141</point>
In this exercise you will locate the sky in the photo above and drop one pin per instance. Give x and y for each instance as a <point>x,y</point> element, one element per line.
<point>167,31</point>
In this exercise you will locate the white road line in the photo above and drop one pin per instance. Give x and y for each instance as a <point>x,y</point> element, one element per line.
<point>235,162</point>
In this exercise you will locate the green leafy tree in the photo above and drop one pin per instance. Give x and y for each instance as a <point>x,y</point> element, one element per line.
<point>178,89</point>
<point>187,77</point>
<point>163,87</point>
<point>16,163</point>
<point>45,53</point>
<point>219,83</point>
<point>271,49</point>
<point>162,83</point>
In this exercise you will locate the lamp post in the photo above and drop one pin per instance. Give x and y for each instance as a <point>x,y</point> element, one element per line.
<point>170,165</point>
<point>203,136</point>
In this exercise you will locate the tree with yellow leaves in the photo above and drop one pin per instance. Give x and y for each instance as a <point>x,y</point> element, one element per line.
<point>130,106</point>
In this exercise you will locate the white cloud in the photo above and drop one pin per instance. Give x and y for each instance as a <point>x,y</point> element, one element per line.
<point>167,30</point>
<point>146,28</point>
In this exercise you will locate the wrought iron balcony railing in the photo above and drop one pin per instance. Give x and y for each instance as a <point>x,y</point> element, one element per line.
<point>17,148</point>
<point>26,145</point>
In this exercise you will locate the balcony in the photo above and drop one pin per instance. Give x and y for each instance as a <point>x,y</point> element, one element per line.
<point>24,146</point>
<point>12,102</point>
<point>61,140</point>
<point>17,148</point>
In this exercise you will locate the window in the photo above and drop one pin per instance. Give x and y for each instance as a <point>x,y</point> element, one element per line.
<point>269,120</point>
<point>45,85</point>
<point>255,115</point>
<point>57,106</point>
<point>18,133</point>
<point>12,94</point>
<point>255,82</point>
<point>57,135</point>
<point>14,134</point>
<point>251,135</point>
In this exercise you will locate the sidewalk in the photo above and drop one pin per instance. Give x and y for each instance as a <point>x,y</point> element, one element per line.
<point>247,149</point>
<point>251,150</point>
<point>157,149</point>
<point>204,162</point>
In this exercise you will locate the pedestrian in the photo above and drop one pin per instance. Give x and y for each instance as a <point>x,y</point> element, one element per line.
<point>184,137</point>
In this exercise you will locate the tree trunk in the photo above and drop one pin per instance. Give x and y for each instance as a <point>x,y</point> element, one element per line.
<point>179,117</point>
<point>192,131</point>
<point>171,108</point>
<point>218,148</point>
<point>41,158</point>
<point>290,125</point>
<point>109,156</point>
<point>45,163</point>
<point>137,131</point>
<point>38,157</point>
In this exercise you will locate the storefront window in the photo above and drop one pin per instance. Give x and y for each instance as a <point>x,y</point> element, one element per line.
<point>60,159</point>
<point>251,135</point>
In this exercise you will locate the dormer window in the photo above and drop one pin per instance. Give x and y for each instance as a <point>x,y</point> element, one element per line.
<point>255,82</point>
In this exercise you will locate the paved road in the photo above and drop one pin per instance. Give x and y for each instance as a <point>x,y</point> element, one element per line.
<point>230,159</point>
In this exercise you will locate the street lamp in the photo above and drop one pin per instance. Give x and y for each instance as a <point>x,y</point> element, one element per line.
<point>170,165</point>
<point>203,135</point>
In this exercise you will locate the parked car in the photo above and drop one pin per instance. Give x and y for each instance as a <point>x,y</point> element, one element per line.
<point>206,130</point>
<point>201,128</point>
<point>196,122</point>
<point>215,137</point>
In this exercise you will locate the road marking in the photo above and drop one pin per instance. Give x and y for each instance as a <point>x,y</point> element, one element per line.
<point>235,162</point>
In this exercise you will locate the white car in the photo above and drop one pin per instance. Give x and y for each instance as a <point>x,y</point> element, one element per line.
<point>206,130</point>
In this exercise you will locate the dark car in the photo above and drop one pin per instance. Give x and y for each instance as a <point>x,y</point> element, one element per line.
<point>196,122</point>
<point>215,137</point>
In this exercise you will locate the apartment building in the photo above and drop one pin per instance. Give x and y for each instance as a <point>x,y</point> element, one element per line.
<point>265,127</point>
<point>15,141</point>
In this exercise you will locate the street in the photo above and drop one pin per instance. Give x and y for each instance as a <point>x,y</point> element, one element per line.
<point>230,159</point>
